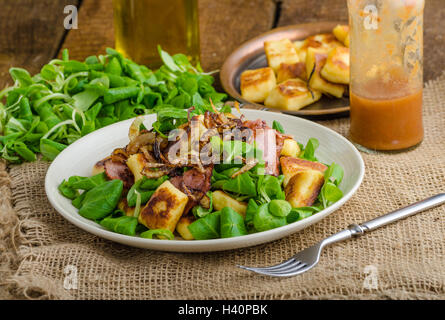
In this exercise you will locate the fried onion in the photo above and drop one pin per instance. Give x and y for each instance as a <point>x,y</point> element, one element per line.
<point>247,167</point>
<point>139,141</point>
<point>150,174</point>
<point>135,128</point>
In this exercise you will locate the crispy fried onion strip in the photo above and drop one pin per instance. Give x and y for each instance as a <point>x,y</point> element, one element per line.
<point>249,165</point>
<point>135,128</point>
<point>146,152</point>
<point>187,192</point>
<point>150,174</point>
<point>221,116</point>
<point>140,141</point>
<point>119,155</point>
<point>205,202</point>
<point>157,150</point>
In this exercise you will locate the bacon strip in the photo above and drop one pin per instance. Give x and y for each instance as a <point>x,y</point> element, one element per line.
<point>195,184</point>
<point>266,142</point>
<point>118,170</point>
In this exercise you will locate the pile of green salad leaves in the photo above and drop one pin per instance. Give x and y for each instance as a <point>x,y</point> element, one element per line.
<point>69,99</point>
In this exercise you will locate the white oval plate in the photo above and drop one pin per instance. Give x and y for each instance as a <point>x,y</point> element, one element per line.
<point>79,158</point>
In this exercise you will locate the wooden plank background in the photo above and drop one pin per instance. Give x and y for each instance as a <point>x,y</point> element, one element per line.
<point>32,31</point>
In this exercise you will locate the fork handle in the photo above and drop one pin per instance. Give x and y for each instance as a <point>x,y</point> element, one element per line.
<point>404,212</point>
<point>356,230</point>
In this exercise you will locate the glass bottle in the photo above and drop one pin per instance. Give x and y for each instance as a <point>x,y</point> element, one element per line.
<point>140,25</point>
<point>386,47</point>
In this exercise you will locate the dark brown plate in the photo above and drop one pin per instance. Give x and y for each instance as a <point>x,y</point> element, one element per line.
<point>251,55</point>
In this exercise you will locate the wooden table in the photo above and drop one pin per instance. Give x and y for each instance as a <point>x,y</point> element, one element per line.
<point>33,32</point>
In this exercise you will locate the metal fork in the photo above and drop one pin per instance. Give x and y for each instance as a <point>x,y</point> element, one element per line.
<point>308,258</point>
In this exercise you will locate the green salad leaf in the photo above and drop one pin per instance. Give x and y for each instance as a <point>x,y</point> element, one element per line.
<point>100,201</point>
<point>199,211</point>
<point>207,227</point>
<point>146,188</point>
<point>277,126</point>
<point>330,192</point>
<point>264,220</point>
<point>86,183</point>
<point>243,185</point>
<point>252,208</point>
<point>280,208</point>
<point>297,214</point>
<point>77,202</point>
<point>269,188</point>
<point>308,152</point>
<point>51,149</point>
<point>232,224</point>
<point>159,233</point>
<point>67,191</point>
<point>123,225</point>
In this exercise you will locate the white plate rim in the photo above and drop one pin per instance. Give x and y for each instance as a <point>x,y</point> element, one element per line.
<point>213,245</point>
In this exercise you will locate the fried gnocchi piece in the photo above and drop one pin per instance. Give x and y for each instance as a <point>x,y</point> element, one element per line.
<point>290,166</point>
<point>222,200</point>
<point>280,51</point>
<point>304,188</point>
<point>290,148</point>
<point>256,84</point>
<point>298,45</point>
<point>292,95</point>
<point>341,32</point>
<point>164,209</point>
<point>336,69</point>
<point>323,42</point>
<point>291,71</point>
<point>183,227</point>
<point>123,205</point>
<point>136,162</point>
<point>315,62</point>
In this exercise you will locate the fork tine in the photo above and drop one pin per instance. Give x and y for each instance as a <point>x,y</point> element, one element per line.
<point>280,265</point>
<point>290,267</point>
<point>259,271</point>
<point>292,272</point>
<point>289,270</point>
<point>285,263</point>
<point>274,271</point>
<point>300,269</point>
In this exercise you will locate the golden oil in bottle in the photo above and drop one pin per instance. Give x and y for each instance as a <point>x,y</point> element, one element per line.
<point>140,25</point>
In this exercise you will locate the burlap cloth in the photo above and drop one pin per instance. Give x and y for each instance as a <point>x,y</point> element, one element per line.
<point>405,260</point>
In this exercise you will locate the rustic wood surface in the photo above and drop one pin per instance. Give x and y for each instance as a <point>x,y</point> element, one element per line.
<point>303,11</point>
<point>224,25</point>
<point>95,32</point>
<point>32,31</point>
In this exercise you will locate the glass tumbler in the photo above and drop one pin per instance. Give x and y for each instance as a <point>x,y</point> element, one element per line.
<point>386,48</point>
<point>142,25</point>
